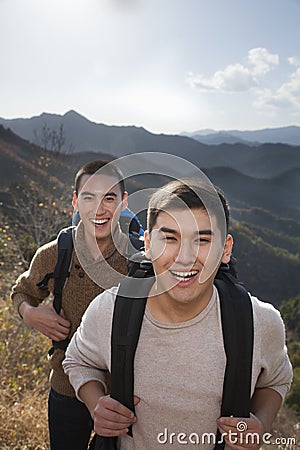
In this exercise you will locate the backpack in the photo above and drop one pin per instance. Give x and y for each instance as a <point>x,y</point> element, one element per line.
<point>237,327</point>
<point>62,268</point>
<point>130,221</point>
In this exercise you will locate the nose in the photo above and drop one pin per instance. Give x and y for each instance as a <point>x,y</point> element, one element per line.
<point>186,255</point>
<point>100,209</point>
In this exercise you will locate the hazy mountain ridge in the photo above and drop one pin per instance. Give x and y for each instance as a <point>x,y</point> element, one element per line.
<point>286,135</point>
<point>221,137</point>
<point>244,191</point>
<point>83,135</point>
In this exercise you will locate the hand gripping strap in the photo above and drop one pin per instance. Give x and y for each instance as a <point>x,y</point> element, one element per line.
<point>61,274</point>
<point>128,316</point>
<point>127,323</point>
<point>237,327</point>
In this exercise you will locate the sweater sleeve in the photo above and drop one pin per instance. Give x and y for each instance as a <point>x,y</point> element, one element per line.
<point>26,288</point>
<point>276,370</point>
<point>88,354</point>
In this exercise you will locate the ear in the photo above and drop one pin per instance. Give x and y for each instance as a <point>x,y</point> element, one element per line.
<point>75,200</point>
<point>124,201</point>
<point>227,249</point>
<point>147,244</point>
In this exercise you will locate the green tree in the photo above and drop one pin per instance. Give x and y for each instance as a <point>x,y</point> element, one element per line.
<point>293,398</point>
<point>290,310</point>
<point>33,215</point>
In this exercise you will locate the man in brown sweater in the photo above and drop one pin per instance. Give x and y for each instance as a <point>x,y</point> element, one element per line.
<point>98,263</point>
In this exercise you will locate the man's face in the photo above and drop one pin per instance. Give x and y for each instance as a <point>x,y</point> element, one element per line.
<point>186,249</point>
<point>99,203</point>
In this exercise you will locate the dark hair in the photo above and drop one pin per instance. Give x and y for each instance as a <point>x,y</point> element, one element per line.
<point>191,193</point>
<point>107,168</point>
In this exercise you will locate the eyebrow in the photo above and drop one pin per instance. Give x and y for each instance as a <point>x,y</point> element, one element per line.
<point>110,194</point>
<point>197,233</point>
<point>107,194</point>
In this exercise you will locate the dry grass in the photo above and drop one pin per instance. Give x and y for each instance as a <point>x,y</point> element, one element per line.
<point>24,388</point>
<point>286,431</point>
<point>24,382</point>
<point>24,420</point>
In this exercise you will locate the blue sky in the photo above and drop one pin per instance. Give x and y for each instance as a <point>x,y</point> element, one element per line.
<point>166,65</point>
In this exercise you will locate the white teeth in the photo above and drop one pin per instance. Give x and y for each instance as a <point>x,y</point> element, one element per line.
<point>100,222</point>
<point>184,275</point>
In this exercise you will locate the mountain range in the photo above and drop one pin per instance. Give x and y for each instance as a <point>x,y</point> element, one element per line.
<point>285,135</point>
<point>262,184</point>
<point>82,135</point>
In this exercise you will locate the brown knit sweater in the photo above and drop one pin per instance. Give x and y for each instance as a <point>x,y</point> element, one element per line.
<point>88,278</point>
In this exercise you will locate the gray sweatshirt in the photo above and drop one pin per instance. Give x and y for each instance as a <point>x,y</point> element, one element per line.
<point>179,370</point>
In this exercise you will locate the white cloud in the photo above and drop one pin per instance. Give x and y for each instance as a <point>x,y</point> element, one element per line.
<point>294,61</point>
<point>234,78</point>
<point>287,96</point>
<point>238,77</point>
<point>249,77</point>
<point>262,60</point>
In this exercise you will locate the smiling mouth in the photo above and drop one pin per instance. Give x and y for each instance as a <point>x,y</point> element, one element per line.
<point>184,276</point>
<point>99,222</point>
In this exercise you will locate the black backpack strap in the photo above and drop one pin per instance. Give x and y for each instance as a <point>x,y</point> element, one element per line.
<point>237,327</point>
<point>103,443</point>
<point>43,284</point>
<point>126,327</point>
<point>61,273</point>
<point>127,321</point>
<point>63,263</point>
<point>62,269</point>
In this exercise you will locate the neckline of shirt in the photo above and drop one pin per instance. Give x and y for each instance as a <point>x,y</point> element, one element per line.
<point>199,317</point>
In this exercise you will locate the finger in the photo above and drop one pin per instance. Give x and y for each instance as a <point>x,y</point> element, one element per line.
<point>229,421</point>
<point>60,328</point>
<point>113,405</point>
<point>60,317</point>
<point>62,314</point>
<point>116,427</point>
<point>58,331</point>
<point>63,322</point>
<point>111,425</point>
<point>56,324</point>
<point>63,319</point>
<point>112,419</point>
<point>58,336</point>
<point>136,400</point>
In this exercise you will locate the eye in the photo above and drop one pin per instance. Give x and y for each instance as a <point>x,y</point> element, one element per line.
<point>110,199</point>
<point>88,197</point>
<point>169,238</point>
<point>203,240</point>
